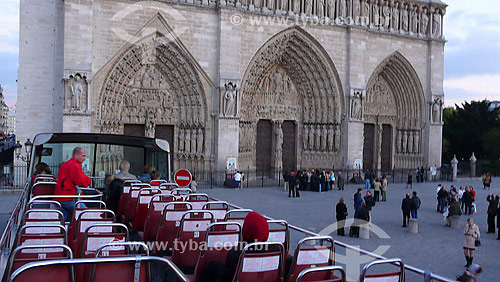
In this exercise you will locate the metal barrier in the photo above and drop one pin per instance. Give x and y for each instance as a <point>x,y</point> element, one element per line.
<point>413,269</point>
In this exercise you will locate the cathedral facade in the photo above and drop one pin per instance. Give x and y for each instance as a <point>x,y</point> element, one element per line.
<point>285,84</point>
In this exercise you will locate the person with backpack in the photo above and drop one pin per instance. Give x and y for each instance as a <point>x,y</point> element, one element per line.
<point>415,205</point>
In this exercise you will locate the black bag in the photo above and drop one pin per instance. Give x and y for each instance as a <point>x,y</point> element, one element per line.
<point>477,243</point>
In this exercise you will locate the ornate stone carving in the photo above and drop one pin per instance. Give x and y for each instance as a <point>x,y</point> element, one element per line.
<point>379,99</point>
<point>410,142</point>
<point>405,142</point>
<point>375,13</point>
<point>311,137</point>
<point>305,137</point>
<point>77,93</point>
<point>414,20</point>
<point>278,151</point>
<point>331,138</point>
<point>320,8</point>
<point>317,138</point>
<point>324,135</point>
<point>416,142</point>
<point>356,9</point>
<point>395,17</point>
<point>404,18</point>
<point>337,138</point>
<point>424,19</point>
<point>342,8</point>
<point>356,104</point>
<point>399,140</point>
<point>308,7</point>
<point>200,140</point>
<point>437,105</point>
<point>366,8</point>
<point>296,6</point>
<point>436,24</point>
<point>229,102</point>
<point>386,13</point>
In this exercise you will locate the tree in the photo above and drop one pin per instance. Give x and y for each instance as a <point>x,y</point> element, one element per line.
<point>470,128</point>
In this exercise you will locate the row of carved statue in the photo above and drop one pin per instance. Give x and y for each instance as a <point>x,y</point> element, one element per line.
<point>321,137</point>
<point>408,141</point>
<point>190,140</point>
<point>391,15</point>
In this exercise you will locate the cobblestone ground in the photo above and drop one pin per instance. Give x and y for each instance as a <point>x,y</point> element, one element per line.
<point>436,247</point>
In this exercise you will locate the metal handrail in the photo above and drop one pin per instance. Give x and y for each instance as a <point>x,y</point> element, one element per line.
<point>72,262</point>
<point>410,268</point>
<point>382,261</point>
<point>331,254</point>
<point>322,268</point>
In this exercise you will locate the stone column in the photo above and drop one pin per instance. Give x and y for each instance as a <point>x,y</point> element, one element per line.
<point>454,163</point>
<point>473,161</point>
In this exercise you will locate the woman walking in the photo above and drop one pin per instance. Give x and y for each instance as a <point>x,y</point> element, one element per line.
<point>471,234</point>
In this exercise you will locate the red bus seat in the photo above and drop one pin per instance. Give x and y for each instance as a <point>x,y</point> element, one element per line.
<point>43,188</point>
<point>220,237</point>
<point>42,234</point>
<point>261,266</point>
<point>323,271</point>
<point>237,215</point>
<point>396,275</point>
<point>142,208</point>
<point>194,224</point>
<point>87,218</point>
<point>182,192</point>
<point>43,216</point>
<point>219,209</point>
<point>169,227</point>
<point>312,256</point>
<point>44,204</point>
<point>197,200</point>
<point>279,232</point>
<point>153,220</point>
<point>131,204</point>
<point>80,206</point>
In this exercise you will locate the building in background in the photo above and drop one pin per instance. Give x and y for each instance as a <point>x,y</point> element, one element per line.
<point>4,112</point>
<point>11,121</point>
<point>273,84</point>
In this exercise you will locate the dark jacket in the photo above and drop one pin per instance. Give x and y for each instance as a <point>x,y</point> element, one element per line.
<point>442,194</point>
<point>113,195</point>
<point>370,202</point>
<point>498,218</point>
<point>454,209</point>
<point>341,209</point>
<point>406,205</point>
<point>357,201</point>
<point>415,203</point>
<point>340,181</point>
<point>363,214</point>
<point>493,206</point>
<point>467,197</point>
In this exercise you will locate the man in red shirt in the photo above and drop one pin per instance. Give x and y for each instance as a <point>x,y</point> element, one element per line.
<point>69,176</point>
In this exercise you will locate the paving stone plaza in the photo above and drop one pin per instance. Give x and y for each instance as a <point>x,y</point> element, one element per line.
<point>436,247</point>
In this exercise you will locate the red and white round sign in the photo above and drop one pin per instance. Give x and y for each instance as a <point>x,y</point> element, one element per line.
<point>183,177</point>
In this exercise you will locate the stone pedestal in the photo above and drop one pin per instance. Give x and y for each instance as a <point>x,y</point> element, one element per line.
<point>364,231</point>
<point>413,226</point>
<point>455,221</point>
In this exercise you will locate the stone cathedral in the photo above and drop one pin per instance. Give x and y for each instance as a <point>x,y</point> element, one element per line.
<point>272,84</point>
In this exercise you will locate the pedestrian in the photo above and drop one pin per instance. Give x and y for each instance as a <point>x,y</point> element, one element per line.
<point>369,200</point>
<point>438,209</point>
<point>291,184</point>
<point>296,186</point>
<point>442,197</point>
<point>376,189</point>
<point>340,181</point>
<point>322,182</point>
<point>492,212</point>
<point>384,188</point>
<point>237,179</point>
<point>286,181</point>
<point>415,205</point>
<point>498,223</point>
<point>461,191</point>
<point>146,173</point>
<point>367,179</point>
<point>405,208</point>
<point>486,180</point>
<point>362,217</point>
<point>341,215</point>
<point>358,201</point>
<point>453,210</point>
<point>69,176</point>
<point>409,182</point>
<point>332,179</point>
<point>470,274</point>
<point>372,178</point>
<point>309,180</point>
<point>471,234</point>
<point>468,199</point>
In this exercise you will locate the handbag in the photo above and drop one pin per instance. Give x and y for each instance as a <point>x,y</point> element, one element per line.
<point>477,243</point>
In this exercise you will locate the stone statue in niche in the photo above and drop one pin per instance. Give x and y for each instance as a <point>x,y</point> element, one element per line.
<point>331,139</point>
<point>76,89</point>
<point>200,141</point>
<point>366,9</point>
<point>305,136</point>
<point>395,17</point>
<point>405,141</point>
<point>376,15</point>
<point>311,137</point>
<point>331,8</point>
<point>356,9</point>
<point>414,20</point>
<point>416,142</point>
<point>337,138</point>
<point>150,129</point>
<point>398,141</point>
<point>342,8</point>
<point>356,109</point>
<point>229,99</point>
<point>320,8</point>
<point>404,16</point>
<point>296,6</point>
<point>181,140</point>
<point>317,141</point>
<point>187,141</point>
<point>323,138</point>
<point>308,7</point>
<point>436,24</point>
<point>424,21</point>
<point>386,13</point>
<point>436,110</point>
<point>410,142</point>
<point>279,144</point>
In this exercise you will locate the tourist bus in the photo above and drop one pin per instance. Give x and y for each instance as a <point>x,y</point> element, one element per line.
<point>130,237</point>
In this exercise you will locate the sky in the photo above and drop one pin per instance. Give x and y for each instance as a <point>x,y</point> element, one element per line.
<point>472,59</point>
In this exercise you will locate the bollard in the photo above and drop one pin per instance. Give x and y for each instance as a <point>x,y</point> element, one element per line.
<point>455,221</point>
<point>413,226</point>
<point>364,230</point>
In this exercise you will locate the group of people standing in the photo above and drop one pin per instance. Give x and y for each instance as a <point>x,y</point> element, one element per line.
<point>410,207</point>
<point>313,180</point>
<point>362,209</point>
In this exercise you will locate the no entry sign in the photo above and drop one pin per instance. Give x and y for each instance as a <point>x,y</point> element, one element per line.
<point>183,177</point>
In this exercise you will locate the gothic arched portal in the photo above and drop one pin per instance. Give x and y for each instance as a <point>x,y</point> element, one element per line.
<point>154,89</point>
<point>292,83</point>
<point>394,116</point>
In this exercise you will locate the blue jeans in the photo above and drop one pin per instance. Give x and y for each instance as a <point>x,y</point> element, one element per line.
<point>237,184</point>
<point>67,209</point>
<point>308,186</point>
<point>367,184</point>
<point>442,204</point>
<point>414,214</point>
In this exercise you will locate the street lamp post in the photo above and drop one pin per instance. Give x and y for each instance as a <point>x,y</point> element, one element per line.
<point>28,146</point>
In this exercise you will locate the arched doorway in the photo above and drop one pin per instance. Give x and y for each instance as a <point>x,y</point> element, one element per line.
<point>292,96</point>
<point>394,109</point>
<point>155,89</point>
